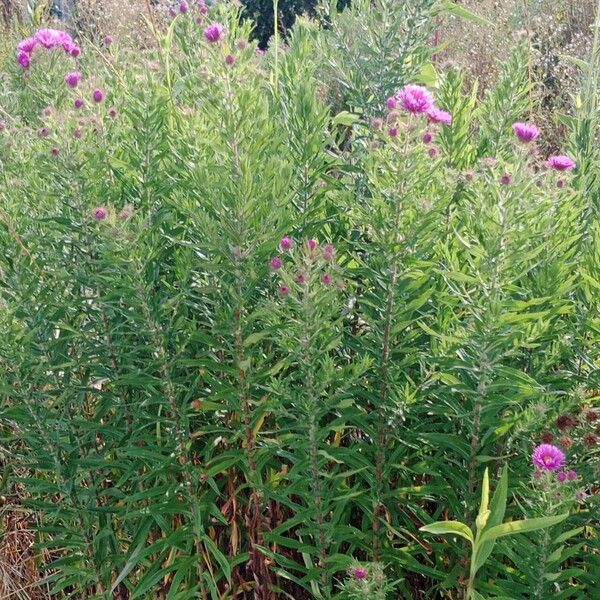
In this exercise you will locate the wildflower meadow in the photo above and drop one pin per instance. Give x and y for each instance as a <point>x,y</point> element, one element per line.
<point>315,319</point>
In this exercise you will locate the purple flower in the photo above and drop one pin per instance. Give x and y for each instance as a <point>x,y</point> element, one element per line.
<point>27,45</point>
<point>312,244</point>
<point>229,59</point>
<point>78,102</point>
<point>560,162</point>
<point>526,132</point>
<point>108,40</point>
<point>77,133</point>
<point>213,33</point>
<point>560,183</point>
<point>391,103</point>
<point>439,116</point>
<point>100,213</point>
<point>415,99</point>
<point>360,573</point>
<point>98,95</point>
<point>112,113</point>
<point>183,7</point>
<point>427,137</point>
<point>286,243</point>
<point>300,278</point>
<point>393,132</point>
<point>548,457</point>
<point>284,290</point>
<point>376,123</point>
<point>55,151</point>
<point>73,79</point>
<point>505,179</point>
<point>562,477</point>
<point>242,44</point>
<point>43,132</point>
<point>276,263</point>
<point>23,59</point>
<point>328,252</point>
<point>433,152</point>
<point>50,38</point>
<point>571,475</point>
<point>326,278</point>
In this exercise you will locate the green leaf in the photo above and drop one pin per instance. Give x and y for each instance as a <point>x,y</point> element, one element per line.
<point>522,526</point>
<point>449,527</point>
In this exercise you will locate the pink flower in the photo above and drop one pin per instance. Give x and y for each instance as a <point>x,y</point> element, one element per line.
<point>229,59</point>
<point>100,213</point>
<point>548,457</point>
<point>112,113</point>
<point>391,103</point>
<point>439,116</point>
<point>55,151</point>
<point>284,290</point>
<point>328,252</point>
<point>433,152</point>
<point>73,79</point>
<point>27,45</point>
<point>213,33</point>
<point>571,475</point>
<point>24,59</point>
<point>562,477</point>
<point>360,573</point>
<point>242,44</point>
<point>276,263</point>
<point>312,244</point>
<point>98,95</point>
<point>183,7</point>
<point>326,278</point>
<point>300,278</point>
<point>286,243</point>
<point>376,123</point>
<point>427,137</point>
<point>78,102</point>
<point>415,99</point>
<point>505,179</point>
<point>108,40</point>
<point>526,132</point>
<point>393,132</point>
<point>560,162</point>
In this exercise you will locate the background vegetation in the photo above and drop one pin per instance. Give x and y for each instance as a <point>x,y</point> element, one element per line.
<point>257,329</point>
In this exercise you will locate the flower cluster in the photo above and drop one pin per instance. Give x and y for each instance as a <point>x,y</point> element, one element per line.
<point>416,99</point>
<point>48,39</point>
<point>528,132</point>
<point>305,262</point>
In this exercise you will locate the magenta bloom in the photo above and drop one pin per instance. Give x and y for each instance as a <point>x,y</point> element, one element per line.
<point>108,40</point>
<point>437,115</point>
<point>27,45</point>
<point>300,278</point>
<point>433,152</point>
<point>326,278</point>
<point>560,163</point>
<point>526,132</point>
<point>548,457</point>
<point>427,137</point>
<point>213,33</point>
<point>312,244</point>
<point>98,95</point>
<point>112,113</point>
<point>55,151</point>
<point>284,290</point>
<point>183,7</point>
<point>50,38</point>
<point>571,475</point>
<point>286,243</point>
<point>229,59</point>
<point>73,79</point>
<point>78,102</point>
<point>393,132</point>
<point>415,99</point>
<point>391,103</point>
<point>100,213</point>
<point>328,252</point>
<point>376,123</point>
<point>562,477</point>
<point>360,573</point>
<point>505,179</point>
<point>276,263</point>
<point>24,59</point>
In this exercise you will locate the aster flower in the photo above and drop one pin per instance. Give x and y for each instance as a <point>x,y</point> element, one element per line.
<point>560,162</point>
<point>108,40</point>
<point>415,99</point>
<point>73,79</point>
<point>391,103</point>
<point>286,243</point>
<point>300,278</point>
<point>328,252</point>
<point>284,290</point>
<point>571,475</point>
<point>505,179</point>
<point>55,151</point>
<point>562,477</point>
<point>433,152</point>
<point>376,123</point>
<point>548,458</point>
<point>427,137</point>
<point>213,33</point>
<point>326,278</point>
<point>27,45</point>
<point>24,59</point>
<point>276,263</point>
<point>78,102</point>
<point>229,59</point>
<point>100,213</point>
<point>97,95</point>
<point>437,115</point>
<point>393,132</point>
<point>360,573</point>
<point>183,7</point>
<point>526,132</point>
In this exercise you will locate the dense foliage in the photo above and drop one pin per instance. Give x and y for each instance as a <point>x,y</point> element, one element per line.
<point>271,329</point>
